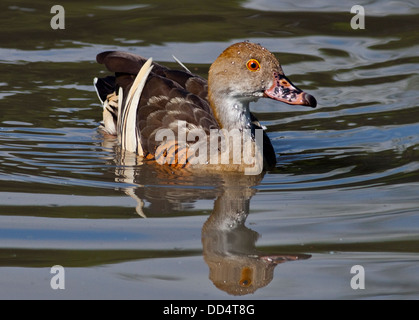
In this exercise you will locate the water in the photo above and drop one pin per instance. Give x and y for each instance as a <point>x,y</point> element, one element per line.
<point>345,191</point>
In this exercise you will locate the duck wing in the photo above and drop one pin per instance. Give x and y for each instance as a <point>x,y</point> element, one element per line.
<point>171,101</point>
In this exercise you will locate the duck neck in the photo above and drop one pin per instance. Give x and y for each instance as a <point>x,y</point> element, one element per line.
<point>234,115</point>
<point>231,112</point>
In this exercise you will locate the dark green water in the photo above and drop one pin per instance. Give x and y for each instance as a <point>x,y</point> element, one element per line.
<point>345,191</point>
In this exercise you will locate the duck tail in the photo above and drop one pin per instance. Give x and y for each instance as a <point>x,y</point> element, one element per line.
<point>104,87</point>
<point>106,92</point>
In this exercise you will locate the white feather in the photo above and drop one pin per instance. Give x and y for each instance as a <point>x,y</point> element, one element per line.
<point>130,139</point>
<point>181,64</point>
<point>119,120</point>
<point>97,92</point>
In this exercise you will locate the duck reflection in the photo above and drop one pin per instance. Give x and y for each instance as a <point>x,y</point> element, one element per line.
<point>229,247</point>
<point>236,266</point>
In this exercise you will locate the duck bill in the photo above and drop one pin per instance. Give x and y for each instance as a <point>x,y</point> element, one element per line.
<point>283,90</point>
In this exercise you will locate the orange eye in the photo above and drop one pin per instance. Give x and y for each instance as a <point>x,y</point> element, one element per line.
<point>253,65</point>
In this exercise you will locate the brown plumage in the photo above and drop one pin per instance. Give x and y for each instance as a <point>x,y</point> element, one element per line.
<point>184,103</point>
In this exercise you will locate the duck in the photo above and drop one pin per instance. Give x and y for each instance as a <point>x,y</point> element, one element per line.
<point>182,120</point>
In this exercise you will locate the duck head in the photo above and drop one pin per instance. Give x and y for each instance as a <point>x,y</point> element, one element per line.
<point>245,72</point>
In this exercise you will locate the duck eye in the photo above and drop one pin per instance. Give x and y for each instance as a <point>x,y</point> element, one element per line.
<point>253,65</point>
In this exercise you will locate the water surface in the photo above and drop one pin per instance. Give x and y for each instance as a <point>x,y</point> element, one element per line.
<point>345,191</point>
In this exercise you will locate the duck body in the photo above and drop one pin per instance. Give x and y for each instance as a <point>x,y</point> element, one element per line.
<point>180,119</point>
